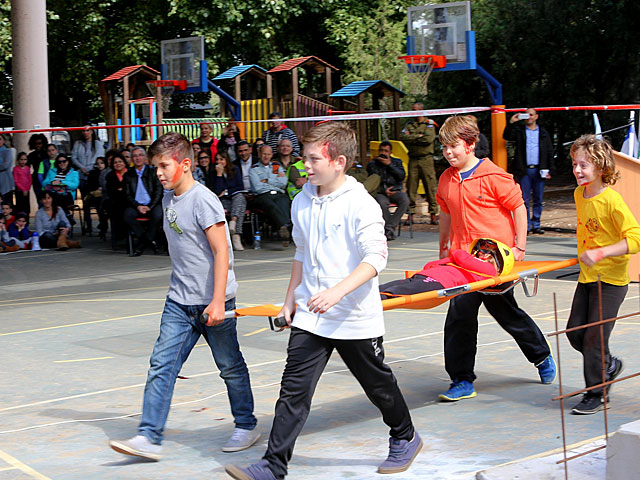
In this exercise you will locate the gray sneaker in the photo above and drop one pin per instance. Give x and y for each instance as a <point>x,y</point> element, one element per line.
<point>241,439</point>
<point>138,446</point>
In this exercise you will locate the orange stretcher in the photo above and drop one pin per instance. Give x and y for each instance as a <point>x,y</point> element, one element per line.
<point>520,274</point>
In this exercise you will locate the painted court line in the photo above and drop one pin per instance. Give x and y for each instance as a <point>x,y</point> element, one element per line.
<point>100,292</point>
<point>81,360</point>
<point>17,464</point>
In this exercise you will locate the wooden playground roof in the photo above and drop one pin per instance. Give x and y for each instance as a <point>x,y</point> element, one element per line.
<point>238,70</point>
<point>310,61</point>
<point>356,88</point>
<point>126,71</point>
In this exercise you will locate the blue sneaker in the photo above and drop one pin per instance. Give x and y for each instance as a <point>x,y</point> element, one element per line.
<point>458,390</point>
<point>401,454</point>
<point>257,471</point>
<point>547,370</point>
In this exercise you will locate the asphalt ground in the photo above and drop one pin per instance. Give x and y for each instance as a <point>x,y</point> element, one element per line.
<point>77,329</point>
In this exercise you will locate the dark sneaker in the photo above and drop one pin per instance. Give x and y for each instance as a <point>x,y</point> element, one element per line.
<point>589,405</point>
<point>458,390</point>
<point>547,370</point>
<point>401,454</point>
<point>615,369</point>
<point>257,471</point>
<point>138,446</point>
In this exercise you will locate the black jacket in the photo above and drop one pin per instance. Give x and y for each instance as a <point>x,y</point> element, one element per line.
<point>391,175</point>
<point>150,182</point>
<point>516,133</point>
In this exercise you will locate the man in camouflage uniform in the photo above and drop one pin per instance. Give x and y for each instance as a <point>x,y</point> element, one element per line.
<point>419,136</point>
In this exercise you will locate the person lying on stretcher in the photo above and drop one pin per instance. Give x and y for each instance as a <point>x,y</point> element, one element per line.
<point>486,258</point>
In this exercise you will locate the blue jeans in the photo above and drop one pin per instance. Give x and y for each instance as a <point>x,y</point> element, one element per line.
<point>528,182</point>
<point>180,329</point>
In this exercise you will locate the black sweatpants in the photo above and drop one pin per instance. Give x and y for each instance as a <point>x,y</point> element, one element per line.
<point>307,356</point>
<point>585,309</point>
<point>461,331</point>
<point>408,286</point>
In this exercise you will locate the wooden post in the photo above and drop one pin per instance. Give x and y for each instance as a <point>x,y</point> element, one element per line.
<point>362,130</point>
<point>269,86</point>
<point>396,121</point>
<point>126,117</point>
<point>327,80</point>
<point>159,111</point>
<point>238,91</point>
<point>498,145</point>
<point>294,91</point>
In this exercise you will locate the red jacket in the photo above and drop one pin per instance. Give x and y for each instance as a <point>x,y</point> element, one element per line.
<point>213,150</point>
<point>481,206</point>
<point>461,268</point>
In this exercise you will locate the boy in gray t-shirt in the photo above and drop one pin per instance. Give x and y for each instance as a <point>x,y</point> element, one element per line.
<point>202,282</point>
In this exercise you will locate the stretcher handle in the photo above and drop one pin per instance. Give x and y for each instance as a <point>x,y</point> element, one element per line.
<point>204,318</point>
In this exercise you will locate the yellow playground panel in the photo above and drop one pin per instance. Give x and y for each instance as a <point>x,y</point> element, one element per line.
<point>399,150</point>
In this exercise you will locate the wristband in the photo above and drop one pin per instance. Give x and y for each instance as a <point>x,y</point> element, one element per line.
<point>521,249</point>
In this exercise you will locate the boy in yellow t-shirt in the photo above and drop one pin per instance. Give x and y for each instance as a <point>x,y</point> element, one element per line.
<point>607,233</point>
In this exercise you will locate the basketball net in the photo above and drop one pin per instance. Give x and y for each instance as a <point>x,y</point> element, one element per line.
<point>423,71</point>
<point>165,93</point>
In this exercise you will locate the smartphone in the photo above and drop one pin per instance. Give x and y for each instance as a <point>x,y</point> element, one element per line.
<point>524,116</point>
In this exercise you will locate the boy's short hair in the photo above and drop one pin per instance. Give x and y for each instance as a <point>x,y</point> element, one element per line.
<point>386,143</point>
<point>463,127</point>
<point>22,215</point>
<point>339,138</point>
<point>173,144</point>
<point>599,152</point>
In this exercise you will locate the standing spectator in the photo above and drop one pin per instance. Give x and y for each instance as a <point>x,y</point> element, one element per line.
<point>6,175</point>
<point>277,131</point>
<point>22,179</point>
<point>52,224</point>
<point>227,184</point>
<point>391,172</point>
<point>84,154</point>
<point>532,162</point>
<point>419,136</point>
<point>268,183</point>
<point>116,201</point>
<point>144,197</point>
<point>64,181</point>
<point>38,146</point>
<point>205,141</point>
<point>47,164</point>
<point>93,198</point>
<point>229,139</point>
<point>480,199</point>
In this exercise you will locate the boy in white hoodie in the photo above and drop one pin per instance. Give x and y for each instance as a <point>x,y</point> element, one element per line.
<point>338,230</point>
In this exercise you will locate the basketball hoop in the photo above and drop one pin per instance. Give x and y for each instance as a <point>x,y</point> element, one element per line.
<point>423,65</point>
<point>164,90</point>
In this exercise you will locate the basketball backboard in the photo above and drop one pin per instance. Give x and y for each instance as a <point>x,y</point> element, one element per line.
<point>443,29</point>
<point>183,59</point>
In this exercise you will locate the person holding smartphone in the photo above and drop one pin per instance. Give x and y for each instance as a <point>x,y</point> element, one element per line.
<point>532,162</point>
<point>391,173</point>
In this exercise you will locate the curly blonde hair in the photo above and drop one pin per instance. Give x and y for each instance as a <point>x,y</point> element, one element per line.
<point>463,127</point>
<point>600,153</point>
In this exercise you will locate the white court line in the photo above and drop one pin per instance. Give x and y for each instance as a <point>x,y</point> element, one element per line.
<point>24,468</point>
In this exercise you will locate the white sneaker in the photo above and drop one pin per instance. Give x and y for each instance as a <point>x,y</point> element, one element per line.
<point>236,242</point>
<point>138,446</point>
<point>232,227</point>
<point>241,439</point>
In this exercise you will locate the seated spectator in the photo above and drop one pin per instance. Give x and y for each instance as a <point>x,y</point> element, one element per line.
<point>229,139</point>
<point>144,197</point>
<point>205,141</point>
<point>371,182</point>
<point>63,181</point>
<point>268,184</point>
<point>48,163</point>
<point>6,174</point>
<point>197,173</point>
<point>391,172</point>
<point>284,156</point>
<point>7,244</point>
<point>487,258</point>
<point>277,131</point>
<point>116,199</point>
<point>126,154</point>
<point>52,224</point>
<point>84,154</point>
<point>38,146</point>
<point>244,162</point>
<point>7,213</point>
<point>257,145</point>
<point>94,195</point>
<point>19,231</point>
<point>294,168</point>
<point>205,169</point>
<point>227,184</point>
<point>22,179</point>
